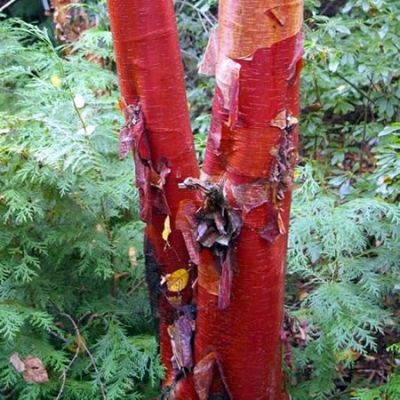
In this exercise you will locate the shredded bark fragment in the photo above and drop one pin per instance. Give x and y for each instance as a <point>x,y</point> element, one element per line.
<point>284,121</point>
<point>208,275</point>
<point>271,230</point>
<point>281,178</point>
<point>181,334</point>
<point>203,375</point>
<point>150,180</point>
<point>251,195</point>
<point>208,63</point>
<point>259,31</point>
<point>286,156</point>
<point>218,225</point>
<point>133,128</point>
<point>225,283</point>
<point>186,222</point>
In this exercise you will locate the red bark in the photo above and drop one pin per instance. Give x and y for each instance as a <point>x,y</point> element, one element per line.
<point>152,85</point>
<point>252,149</point>
<point>251,154</point>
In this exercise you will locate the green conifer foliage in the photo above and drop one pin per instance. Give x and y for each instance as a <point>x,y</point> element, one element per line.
<point>71,269</point>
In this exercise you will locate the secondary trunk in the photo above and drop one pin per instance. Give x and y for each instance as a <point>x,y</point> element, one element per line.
<point>158,130</point>
<point>252,150</point>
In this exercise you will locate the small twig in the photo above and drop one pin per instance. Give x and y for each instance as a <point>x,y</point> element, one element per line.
<point>87,314</point>
<point>355,87</point>
<point>7,5</point>
<point>134,287</point>
<point>87,351</point>
<point>57,336</point>
<point>364,138</point>
<point>212,22</point>
<point>318,95</point>
<point>64,374</point>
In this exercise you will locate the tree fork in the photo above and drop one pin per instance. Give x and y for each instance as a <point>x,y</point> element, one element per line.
<point>238,235</point>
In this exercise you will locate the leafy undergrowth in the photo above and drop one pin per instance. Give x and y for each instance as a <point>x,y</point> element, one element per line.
<point>72,291</point>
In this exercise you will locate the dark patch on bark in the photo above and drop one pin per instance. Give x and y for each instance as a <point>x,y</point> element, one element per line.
<point>153,275</point>
<point>218,397</point>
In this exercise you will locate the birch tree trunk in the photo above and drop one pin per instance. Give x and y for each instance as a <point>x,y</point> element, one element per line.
<point>237,235</point>
<point>158,130</point>
<point>252,149</point>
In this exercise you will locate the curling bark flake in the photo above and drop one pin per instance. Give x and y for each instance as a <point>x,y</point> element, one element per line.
<point>237,234</point>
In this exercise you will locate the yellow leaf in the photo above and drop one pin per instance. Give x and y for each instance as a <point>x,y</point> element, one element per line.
<point>387,179</point>
<point>303,295</point>
<point>56,81</point>
<point>178,280</point>
<point>167,229</point>
<point>78,344</point>
<point>347,355</point>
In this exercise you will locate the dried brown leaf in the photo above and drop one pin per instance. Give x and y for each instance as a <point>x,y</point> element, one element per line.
<point>32,368</point>
<point>35,371</point>
<point>17,363</point>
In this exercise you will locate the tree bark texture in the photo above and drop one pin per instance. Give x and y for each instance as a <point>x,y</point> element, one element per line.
<point>158,130</point>
<point>252,149</point>
<point>237,234</point>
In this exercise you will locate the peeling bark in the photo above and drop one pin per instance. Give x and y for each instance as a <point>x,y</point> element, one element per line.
<point>158,133</point>
<point>233,224</point>
<point>252,149</point>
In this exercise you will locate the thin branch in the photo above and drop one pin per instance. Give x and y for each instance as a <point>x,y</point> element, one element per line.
<point>212,21</point>
<point>7,5</point>
<point>92,359</point>
<point>64,374</point>
<point>135,287</point>
<point>355,87</point>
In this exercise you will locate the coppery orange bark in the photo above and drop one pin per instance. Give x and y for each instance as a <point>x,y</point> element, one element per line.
<point>256,56</point>
<point>237,235</point>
